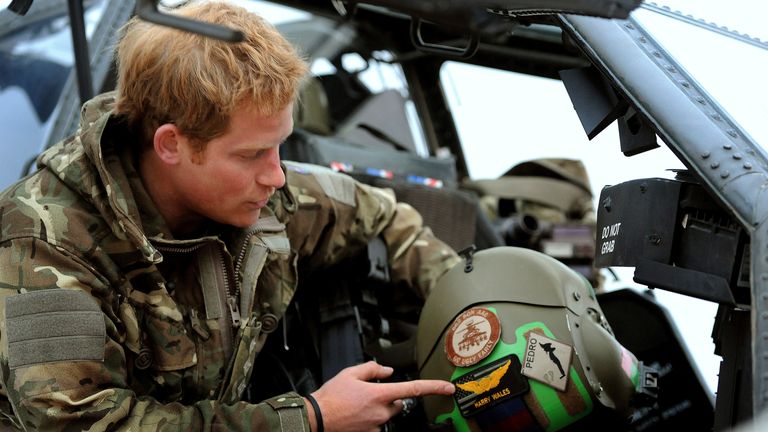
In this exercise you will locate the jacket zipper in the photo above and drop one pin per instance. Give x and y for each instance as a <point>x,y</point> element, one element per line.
<point>231,298</point>
<point>241,255</point>
<point>179,249</point>
<point>234,309</point>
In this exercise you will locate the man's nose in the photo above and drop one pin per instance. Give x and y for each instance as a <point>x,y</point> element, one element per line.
<point>273,174</point>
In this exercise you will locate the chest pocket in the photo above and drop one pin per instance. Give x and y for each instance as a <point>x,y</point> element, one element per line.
<point>250,342</point>
<point>155,332</point>
<point>277,282</point>
<point>268,271</point>
<point>171,348</point>
<point>268,246</point>
<point>159,349</point>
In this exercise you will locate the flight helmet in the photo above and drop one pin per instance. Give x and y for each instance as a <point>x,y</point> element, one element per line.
<point>523,339</point>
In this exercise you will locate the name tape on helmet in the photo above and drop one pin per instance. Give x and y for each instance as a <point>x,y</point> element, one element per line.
<point>489,385</point>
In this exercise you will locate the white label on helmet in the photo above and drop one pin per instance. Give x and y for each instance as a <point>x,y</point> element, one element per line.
<point>472,336</point>
<point>547,360</point>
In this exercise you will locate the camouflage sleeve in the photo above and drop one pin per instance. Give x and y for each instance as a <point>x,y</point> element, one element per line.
<point>63,365</point>
<point>417,258</point>
<point>336,216</point>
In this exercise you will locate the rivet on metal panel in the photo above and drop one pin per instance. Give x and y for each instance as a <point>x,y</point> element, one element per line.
<point>629,26</point>
<point>576,296</point>
<point>643,39</point>
<point>737,156</point>
<point>716,116</point>
<point>747,165</point>
<point>700,100</point>
<point>685,84</point>
<point>607,205</point>
<point>672,69</point>
<point>714,165</point>
<point>724,174</point>
<point>706,155</point>
<point>732,133</point>
<point>727,146</point>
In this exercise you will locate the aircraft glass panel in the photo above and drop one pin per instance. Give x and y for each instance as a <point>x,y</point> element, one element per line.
<point>36,59</point>
<point>725,49</point>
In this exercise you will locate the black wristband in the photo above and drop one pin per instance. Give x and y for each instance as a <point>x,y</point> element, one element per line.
<point>318,414</point>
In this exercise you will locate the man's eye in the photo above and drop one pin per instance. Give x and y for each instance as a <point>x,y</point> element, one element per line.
<point>251,156</point>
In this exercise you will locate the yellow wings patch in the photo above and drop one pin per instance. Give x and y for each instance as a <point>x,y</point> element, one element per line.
<point>487,382</point>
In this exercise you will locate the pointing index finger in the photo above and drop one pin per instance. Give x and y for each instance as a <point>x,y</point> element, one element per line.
<point>416,388</point>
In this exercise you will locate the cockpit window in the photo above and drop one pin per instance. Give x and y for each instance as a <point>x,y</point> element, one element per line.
<point>528,117</point>
<point>36,59</point>
<point>726,51</point>
<point>352,85</point>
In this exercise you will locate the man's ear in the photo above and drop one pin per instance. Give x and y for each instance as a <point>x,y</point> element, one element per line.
<point>168,142</point>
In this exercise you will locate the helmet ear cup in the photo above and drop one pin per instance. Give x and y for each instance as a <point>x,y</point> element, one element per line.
<point>532,295</point>
<point>611,369</point>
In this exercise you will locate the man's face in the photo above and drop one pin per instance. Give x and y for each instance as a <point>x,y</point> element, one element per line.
<point>234,176</point>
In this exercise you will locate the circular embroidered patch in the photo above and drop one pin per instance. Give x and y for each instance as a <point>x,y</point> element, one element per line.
<point>472,336</point>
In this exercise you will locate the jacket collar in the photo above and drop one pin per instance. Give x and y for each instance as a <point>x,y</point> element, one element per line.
<point>94,162</point>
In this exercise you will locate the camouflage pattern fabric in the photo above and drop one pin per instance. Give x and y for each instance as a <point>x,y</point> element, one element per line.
<point>108,323</point>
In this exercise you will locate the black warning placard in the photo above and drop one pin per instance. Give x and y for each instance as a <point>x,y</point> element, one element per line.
<point>636,219</point>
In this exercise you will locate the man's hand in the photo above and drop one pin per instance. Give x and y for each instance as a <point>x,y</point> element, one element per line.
<point>349,402</point>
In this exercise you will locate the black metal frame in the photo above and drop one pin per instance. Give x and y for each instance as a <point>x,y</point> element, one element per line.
<point>80,45</point>
<point>732,166</point>
<point>99,62</point>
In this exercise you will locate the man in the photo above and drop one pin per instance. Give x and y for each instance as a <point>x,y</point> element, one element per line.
<point>144,264</point>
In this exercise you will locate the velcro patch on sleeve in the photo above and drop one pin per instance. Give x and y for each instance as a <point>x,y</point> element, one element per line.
<point>339,187</point>
<point>290,410</point>
<point>53,325</point>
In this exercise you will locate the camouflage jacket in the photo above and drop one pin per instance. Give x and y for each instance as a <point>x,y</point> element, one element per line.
<point>108,323</point>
